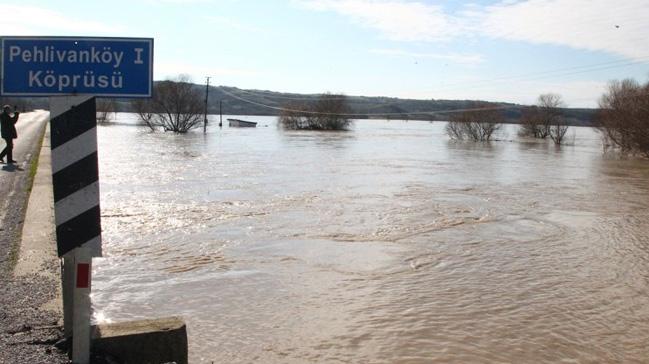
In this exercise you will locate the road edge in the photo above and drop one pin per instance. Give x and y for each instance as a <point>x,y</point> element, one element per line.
<point>37,243</point>
<point>22,186</point>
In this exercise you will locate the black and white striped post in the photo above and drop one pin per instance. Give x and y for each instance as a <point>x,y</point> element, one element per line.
<point>75,177</point>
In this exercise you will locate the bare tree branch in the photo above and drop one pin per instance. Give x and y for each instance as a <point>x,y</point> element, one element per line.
<point>623,117</point>
<point>106,108</point>
<point>478,123</point>
<point>329,112</point>
<point>176,106</point>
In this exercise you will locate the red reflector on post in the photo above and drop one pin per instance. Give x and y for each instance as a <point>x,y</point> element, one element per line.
<point>83,275</point>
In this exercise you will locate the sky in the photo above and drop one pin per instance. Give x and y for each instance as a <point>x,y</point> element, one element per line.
<point>507,50</point>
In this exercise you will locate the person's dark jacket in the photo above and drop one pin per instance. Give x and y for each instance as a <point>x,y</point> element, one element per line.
<point>8,125</point>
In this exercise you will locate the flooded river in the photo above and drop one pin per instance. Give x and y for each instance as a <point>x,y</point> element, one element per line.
<point>385,244</point>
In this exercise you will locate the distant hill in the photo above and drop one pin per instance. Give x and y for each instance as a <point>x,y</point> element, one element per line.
<point>262,102</point>
<point>238,101</point>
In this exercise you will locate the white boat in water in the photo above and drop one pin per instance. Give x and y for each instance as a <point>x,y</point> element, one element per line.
<point>242,123</point>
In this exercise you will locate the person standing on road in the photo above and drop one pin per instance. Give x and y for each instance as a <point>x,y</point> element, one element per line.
<point>9,133</point>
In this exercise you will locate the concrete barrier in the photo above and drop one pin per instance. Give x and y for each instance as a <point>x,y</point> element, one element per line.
<point>138,342</point>
<point>143,342</point>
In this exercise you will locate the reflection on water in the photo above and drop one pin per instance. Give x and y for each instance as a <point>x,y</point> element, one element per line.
<point>385,244</point>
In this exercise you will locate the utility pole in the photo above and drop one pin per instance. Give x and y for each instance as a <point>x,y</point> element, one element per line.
<point>220,113</point>
<point>207,92</point>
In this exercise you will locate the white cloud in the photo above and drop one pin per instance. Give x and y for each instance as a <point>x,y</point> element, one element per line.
<point>32,20</point>
<point>396,20</point>
<point>596,25</point>
<point>469,59</point>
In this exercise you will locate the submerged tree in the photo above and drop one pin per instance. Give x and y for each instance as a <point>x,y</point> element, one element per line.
<point>106,109</point>
<point>329,112</point>
<point>558,130</point>
<point>176,106</point>
<point>479,123</point>
<point>144,111</point>
<point>293,116</point>
<point>550,106</point>
<point>545,119</point>
<point>532,124</point>
<point>623,117</point>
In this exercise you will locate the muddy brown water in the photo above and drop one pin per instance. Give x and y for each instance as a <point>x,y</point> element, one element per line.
<point>385,244</point>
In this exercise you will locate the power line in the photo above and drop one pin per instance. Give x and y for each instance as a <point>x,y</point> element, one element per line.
<point>448,111</point>
<point>302,98</point>
<point>552,73</point>
<point>565,71</point>
<point>315,96</point>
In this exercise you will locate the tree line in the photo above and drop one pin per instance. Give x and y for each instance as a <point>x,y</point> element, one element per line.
<point>622,119</point>
<point>481,121</point>
<point>623,115</point>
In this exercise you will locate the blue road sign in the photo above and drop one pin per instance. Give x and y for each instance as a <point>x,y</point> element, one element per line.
<point>50,66</point>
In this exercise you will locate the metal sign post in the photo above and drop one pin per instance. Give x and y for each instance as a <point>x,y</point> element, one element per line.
<point>75,177</point>
<point>74,71</point>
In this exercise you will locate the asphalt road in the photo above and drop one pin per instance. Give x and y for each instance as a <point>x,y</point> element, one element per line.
<point>14,181</point>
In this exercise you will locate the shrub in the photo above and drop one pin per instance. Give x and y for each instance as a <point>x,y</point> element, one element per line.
<point>478,123</point>
<point>176,106</point>
<point>329,112</point>
<point>106,108</point>
<point>623,117</point>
